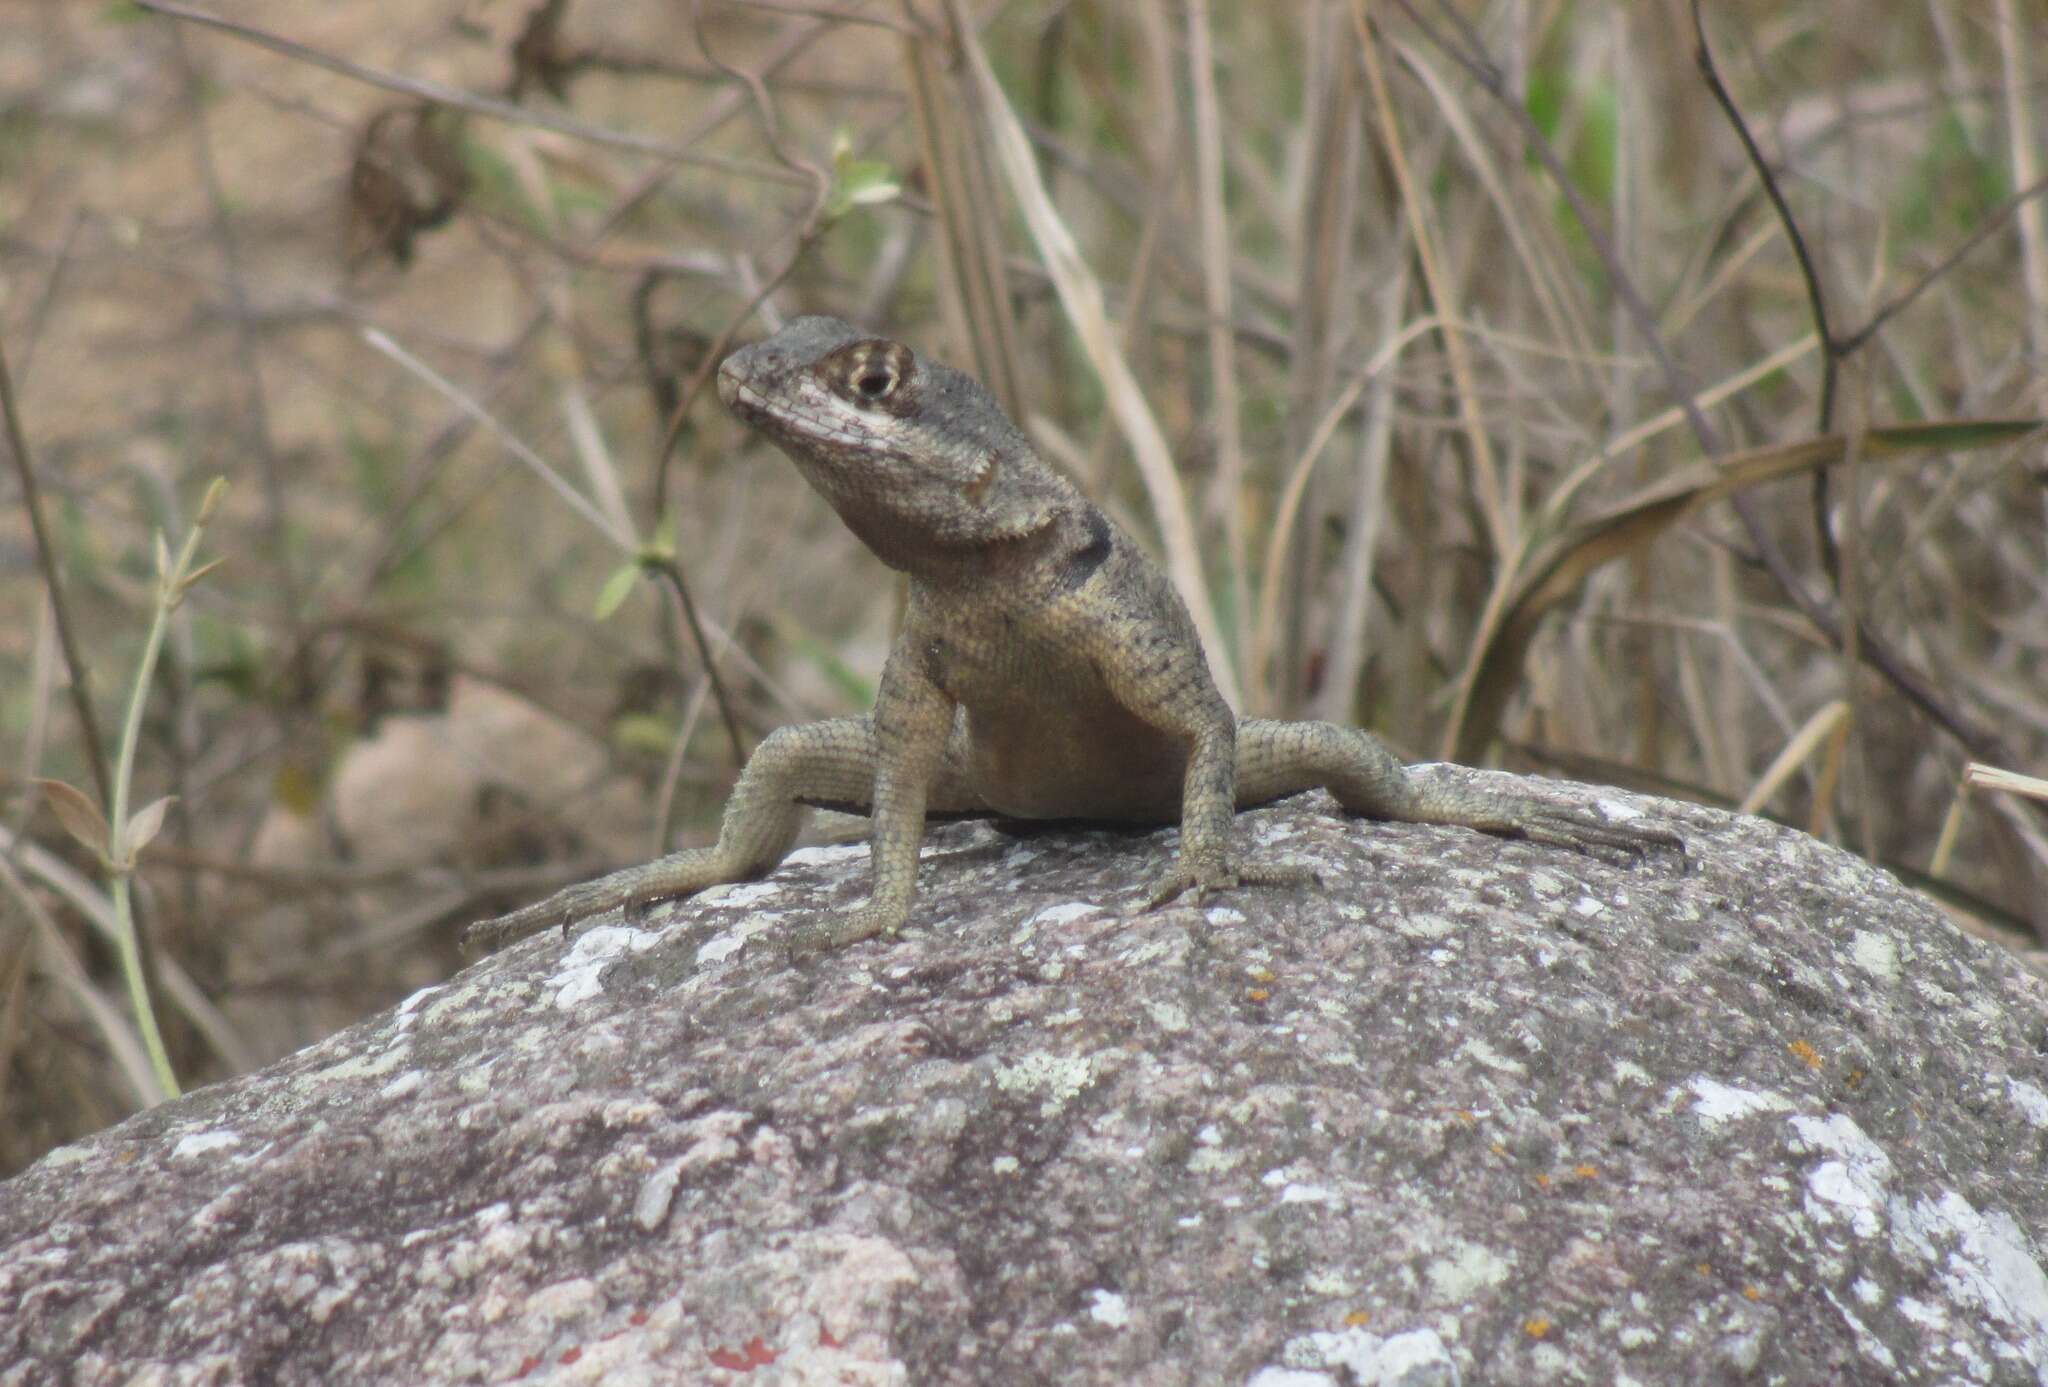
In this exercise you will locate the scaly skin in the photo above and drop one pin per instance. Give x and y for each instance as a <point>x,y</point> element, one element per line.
<point>1046,668</point>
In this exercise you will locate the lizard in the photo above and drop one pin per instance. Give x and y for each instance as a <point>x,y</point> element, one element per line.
<point>1045,667</point>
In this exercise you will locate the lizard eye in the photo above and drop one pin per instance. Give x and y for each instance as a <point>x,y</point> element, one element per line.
<point>876,372</point>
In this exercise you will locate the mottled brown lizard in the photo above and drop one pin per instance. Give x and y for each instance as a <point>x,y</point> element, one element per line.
<point>1046,668</point>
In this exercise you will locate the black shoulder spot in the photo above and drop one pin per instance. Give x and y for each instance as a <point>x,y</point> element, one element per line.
<point>1078,567</point>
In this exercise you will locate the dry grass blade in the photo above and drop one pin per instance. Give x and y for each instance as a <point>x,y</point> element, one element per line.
<point>1825,730</point>
<point>1555,568</point>
<point>1560,310</point>
<point>124,1046</point>
<point>1266,633</point>
<point>1977,774</point>
<point>461,399</point>
<point>958,183</point>
<point>1493,503</point>
<point>1226,410</point>
<point>1080,294</point>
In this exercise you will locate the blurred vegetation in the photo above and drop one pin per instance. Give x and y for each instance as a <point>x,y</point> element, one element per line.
<point>1476,381</point>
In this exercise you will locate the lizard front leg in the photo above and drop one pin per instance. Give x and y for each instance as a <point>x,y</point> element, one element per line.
<point>1160,676</point>
<point>831,762</point>
<point>912,721</point>
<point>1208,811</point>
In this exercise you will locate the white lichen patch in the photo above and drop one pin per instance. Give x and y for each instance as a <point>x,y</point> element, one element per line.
<point>1059,1078</point>
<point>729,942</point>
<point>1617,810</point>
<point>1876,954</point>
<point>1108,1308</point>
<point>1480,1052</point>
<point>404,1086</point>
<point>203,1143</point>
<point>1417,1356</point>
<point>1064,913</point>
<point>1851,1184</point>
<point>657,1192</point>
<point>579,975</point>
<point>1214,1160</point>
<point>1984,1260</point>
<point>825,855</point>
<point>1464,1271</point>
<point>2031,1101</point>
<point>1296,1192</point>
<point>1170,1017</point>
<point>1715,1102</point>
<point>1629,1072</point>
<point>1427,926</point>
<point>1986,1263</point>
<point>365,1066</point>
<point>565,1302</point>
<point>408,1010</point>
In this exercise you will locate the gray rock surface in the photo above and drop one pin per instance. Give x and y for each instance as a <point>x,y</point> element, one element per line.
<point>1474,1112</point>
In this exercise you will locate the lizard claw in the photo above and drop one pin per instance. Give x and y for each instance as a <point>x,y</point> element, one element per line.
<point>1182,878</point>
<point>565,907</point>
<point>825,936</point>
<point>1565,828</point>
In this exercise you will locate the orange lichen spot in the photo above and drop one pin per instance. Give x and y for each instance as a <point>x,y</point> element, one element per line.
<point>1258,994</point>
<point>1543,1182</point>
<point>1465,1116</point>
<point>1585,1170</point>
<point>1498,1149</point>
<point>1536,1327</point>
<point>1357,1319</point>
<point>1805,1054</point>
<point>1752,1293</point>
<point>1704,1269</point>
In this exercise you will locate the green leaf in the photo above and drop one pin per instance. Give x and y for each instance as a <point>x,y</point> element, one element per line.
<point>857,182</point>
<point>661,548</point>
<point>614,591</point>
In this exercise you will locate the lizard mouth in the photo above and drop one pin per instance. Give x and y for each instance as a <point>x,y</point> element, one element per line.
<point>733,390</point>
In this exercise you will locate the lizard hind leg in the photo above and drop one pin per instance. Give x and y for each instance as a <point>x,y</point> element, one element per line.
<point>829,762</point>
<point>1282,758</point>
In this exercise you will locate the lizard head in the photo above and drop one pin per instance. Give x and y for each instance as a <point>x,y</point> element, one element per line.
<point>917,458</point>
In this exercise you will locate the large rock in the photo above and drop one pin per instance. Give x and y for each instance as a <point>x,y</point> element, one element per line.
<point>1472,1112</point>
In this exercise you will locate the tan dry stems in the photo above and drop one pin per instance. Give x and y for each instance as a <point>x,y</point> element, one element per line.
<point>1366,430</point>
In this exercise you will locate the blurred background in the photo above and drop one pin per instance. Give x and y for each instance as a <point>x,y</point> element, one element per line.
<point>1479,377</point>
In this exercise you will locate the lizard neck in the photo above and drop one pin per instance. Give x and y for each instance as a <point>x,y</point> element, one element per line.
<point>1076,536</point>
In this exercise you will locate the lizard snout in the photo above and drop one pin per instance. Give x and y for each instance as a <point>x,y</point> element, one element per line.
<point>730,375</point>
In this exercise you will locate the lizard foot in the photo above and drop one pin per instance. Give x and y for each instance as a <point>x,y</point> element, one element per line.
<point>824,937</point>
<point>1566,828</point>
<point>1182,878</point>
<point>565,907</point>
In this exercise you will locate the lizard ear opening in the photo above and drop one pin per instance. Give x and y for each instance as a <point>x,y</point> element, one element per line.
<point>873,374</point>
<point>977,486</point>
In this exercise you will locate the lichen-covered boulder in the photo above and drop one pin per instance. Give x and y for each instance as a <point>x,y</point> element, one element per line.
<point>1472,1111</point>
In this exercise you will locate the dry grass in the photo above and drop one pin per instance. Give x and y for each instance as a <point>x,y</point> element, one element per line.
<point>1467,370</point>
